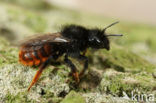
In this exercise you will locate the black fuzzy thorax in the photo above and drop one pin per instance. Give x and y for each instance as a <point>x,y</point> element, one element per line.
<point>78,36</point>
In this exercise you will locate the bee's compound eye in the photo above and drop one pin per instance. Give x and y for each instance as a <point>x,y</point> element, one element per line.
<point>95,40</point>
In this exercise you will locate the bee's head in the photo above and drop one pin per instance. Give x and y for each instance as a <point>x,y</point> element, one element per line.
<point>98,38</point>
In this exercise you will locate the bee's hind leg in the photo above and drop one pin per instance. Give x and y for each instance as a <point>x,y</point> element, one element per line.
<point>39,72</point>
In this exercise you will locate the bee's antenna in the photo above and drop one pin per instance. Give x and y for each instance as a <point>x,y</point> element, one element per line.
<point>114,35</point>
<point>110,26</point>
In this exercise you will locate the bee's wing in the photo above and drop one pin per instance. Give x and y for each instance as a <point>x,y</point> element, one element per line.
<point>36,43</point>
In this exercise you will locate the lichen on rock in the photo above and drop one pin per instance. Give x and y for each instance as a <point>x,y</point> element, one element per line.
<point>15,79</point>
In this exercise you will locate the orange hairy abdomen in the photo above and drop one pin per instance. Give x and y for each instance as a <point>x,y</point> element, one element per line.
<point>34,57</point>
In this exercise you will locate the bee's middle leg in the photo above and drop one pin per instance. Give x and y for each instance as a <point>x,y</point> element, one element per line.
<point>73,69</point>
<point>85,67</point>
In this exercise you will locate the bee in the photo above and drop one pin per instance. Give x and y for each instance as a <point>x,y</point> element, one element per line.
<point>72,41</point>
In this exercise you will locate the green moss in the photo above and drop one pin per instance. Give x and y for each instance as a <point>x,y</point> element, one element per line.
<point>121,60</point>
<point>35,4</point>
<point>128,59</point>
<point>116,83</point>
<point>8,54</point>
<point>31,19</point>
<point>16,78</point>
<point>20,97</point>
<point>73,97</point>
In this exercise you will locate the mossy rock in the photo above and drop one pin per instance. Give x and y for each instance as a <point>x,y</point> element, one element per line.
<point>8,54</point>
<point>18,16</point>
<point>120,59</point>
<point>110,73</point>
<point>73,97</point>
<point>116,83</point>
<point>35,4</point>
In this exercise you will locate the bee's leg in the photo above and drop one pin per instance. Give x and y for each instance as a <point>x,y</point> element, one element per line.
<point>73,68</point>
<point>85,59</point>
<point>39,72</point>
<point>84,52</point>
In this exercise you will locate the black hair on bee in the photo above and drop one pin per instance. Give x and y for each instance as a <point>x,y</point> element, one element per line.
<point>75,32</point>
<point>94,38</point>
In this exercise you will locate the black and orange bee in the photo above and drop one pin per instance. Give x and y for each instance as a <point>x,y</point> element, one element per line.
<point>71,41</point>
